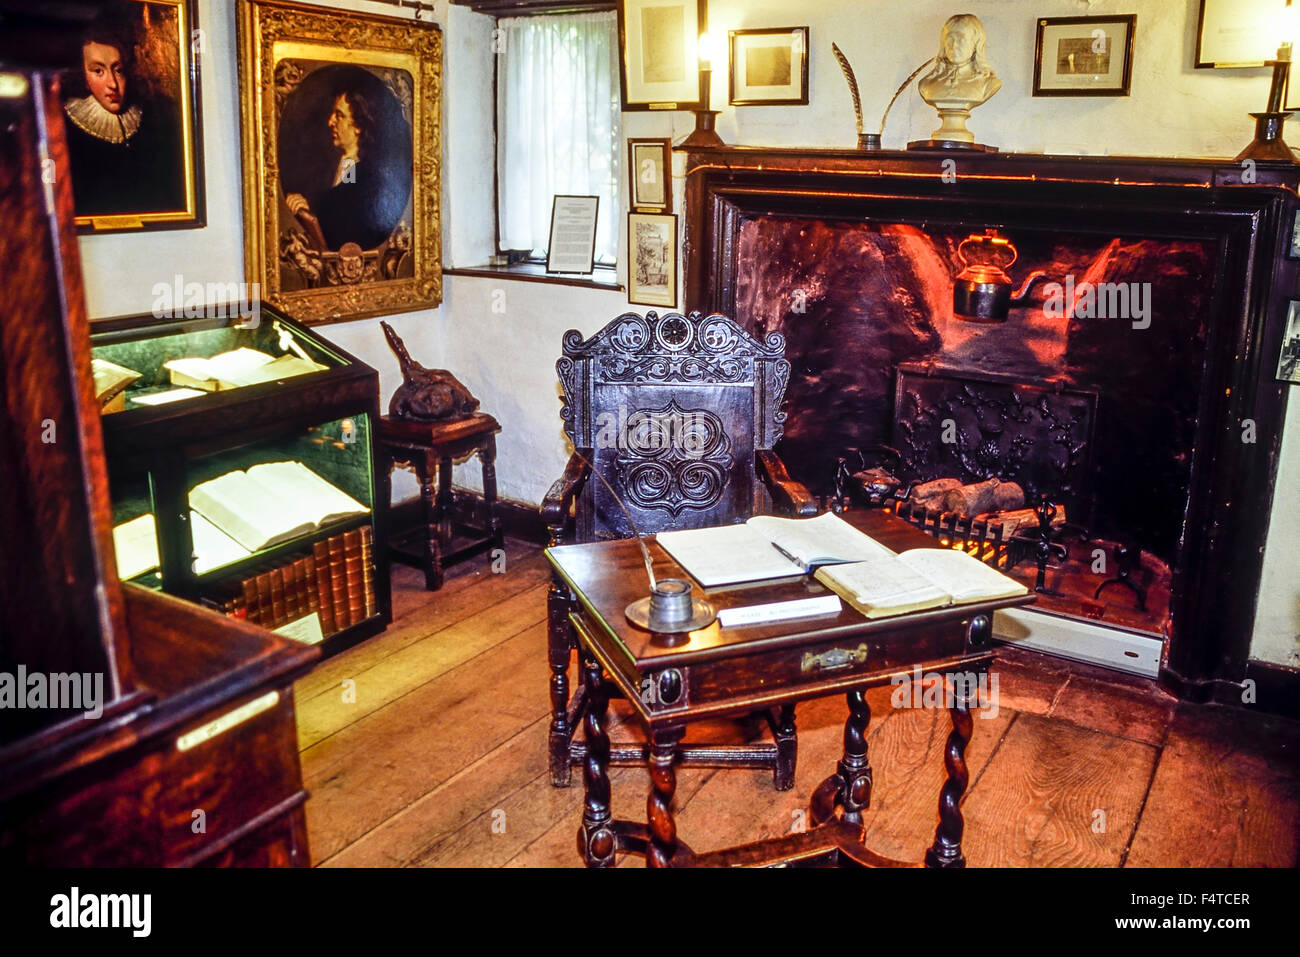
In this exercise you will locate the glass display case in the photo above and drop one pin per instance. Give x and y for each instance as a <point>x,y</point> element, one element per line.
<point>242,471</point>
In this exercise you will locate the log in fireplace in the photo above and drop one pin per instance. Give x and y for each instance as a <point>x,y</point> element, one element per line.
<point>1134,386</point>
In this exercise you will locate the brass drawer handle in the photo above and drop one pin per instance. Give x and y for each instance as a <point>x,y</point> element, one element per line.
<point>835,658</point>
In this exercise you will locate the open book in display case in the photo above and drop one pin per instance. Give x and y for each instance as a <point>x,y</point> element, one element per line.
<point>258,499</point>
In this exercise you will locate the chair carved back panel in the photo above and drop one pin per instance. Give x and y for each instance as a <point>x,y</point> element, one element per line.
<point>670,410</point>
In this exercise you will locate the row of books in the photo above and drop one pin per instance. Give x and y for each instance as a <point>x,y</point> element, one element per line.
<point>336,581</point>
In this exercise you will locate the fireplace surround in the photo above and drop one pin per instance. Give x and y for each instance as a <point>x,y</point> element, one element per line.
<point>1156,330</point>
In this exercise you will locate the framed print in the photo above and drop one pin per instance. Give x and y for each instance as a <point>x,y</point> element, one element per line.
<point>341,124</point>
<point>1288,361</point>
<point>650,173</point>
<point>769,67</point>
<point>1238,33</point>
<point>652,259</point>
<point>131,116</point>
<point>572,246</point>
<point>658,53</point>
<point>1293,244</point>
<point>1084,56</point>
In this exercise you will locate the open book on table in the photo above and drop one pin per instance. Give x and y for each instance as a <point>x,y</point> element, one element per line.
<point>917,579</point>
<point>272,503</point>
<point>767,548</point>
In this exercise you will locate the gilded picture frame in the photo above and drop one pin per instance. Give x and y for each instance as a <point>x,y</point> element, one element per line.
<point>340,115</point>
<point>131,119</point>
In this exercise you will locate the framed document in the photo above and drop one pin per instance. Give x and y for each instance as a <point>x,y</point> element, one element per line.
<point>649,171</point>
<point>131,109</point>
<point>652,259</point>
<point>341,125</point>
<point>658,53</point>
<point>769,67</point>
<point>1084,56</point>
<point>572,247</point>
<point>1237,33</point>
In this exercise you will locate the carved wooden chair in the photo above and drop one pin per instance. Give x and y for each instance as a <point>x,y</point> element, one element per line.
<point>679,414</point>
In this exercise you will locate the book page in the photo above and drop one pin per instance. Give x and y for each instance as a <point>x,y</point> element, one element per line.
<point>313,497</point>
<point>964,576</point>
<point>247,512</point>
<point>285,367</point>
<point>162,398</point>
<point>883,586</point>
<point>726,555</point>
<point>229,366</point>
<point>136,546</point>
<point>212,547</point>
<point>816,541</point>
<point>110,378</point>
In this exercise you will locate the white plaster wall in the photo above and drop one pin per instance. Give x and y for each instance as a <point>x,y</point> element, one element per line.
<point>507,358</point>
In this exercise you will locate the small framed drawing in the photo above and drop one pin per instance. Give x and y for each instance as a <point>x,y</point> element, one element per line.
<point>131,105</point>
<point>649,169</point>
<point>1084,56</point>
<point>769,67</point>
<point>1238,33</point>
<point>658,54</point>
<point>1288,360</point>
<point>572,247</point>
<point>1293,244</point>
<point>652,259</point>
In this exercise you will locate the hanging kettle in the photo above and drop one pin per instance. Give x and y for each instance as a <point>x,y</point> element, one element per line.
<point>982,291</point>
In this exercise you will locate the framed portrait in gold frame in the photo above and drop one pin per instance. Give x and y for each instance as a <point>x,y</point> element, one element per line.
<point>341,125</point>
<point>131,118</point>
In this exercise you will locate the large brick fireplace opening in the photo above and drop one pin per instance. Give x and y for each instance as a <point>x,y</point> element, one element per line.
<point>1131,387</point>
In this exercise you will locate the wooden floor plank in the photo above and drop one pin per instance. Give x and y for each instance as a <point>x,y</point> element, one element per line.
<point>379,765</point>
<point>448,738</point>
<point>453,804</point>
<point>1226,793</point>
<point>1116,709</point>
<point>480,592</point>
<point>401,672</point>
<point>1036,803</point>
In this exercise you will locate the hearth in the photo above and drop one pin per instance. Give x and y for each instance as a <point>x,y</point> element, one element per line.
<point>1131,387</point>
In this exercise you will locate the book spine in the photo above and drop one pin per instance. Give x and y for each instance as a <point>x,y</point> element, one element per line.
<point>368,568</point>
<point>355,577</point>
<point>264,599</point>
<point>321,554</point>
<point>278,610</point>
<point>338,583</point>
<point>310,594</point>
<point>249,589</point>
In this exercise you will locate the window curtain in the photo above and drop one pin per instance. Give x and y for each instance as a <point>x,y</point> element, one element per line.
<point>558,124</point>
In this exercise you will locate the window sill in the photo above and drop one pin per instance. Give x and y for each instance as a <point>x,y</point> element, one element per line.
<point>536,272</point>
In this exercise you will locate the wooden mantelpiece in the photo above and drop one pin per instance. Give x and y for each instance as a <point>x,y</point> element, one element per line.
<point>1238,218</point>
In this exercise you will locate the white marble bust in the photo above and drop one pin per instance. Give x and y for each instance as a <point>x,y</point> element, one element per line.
<point>961,79</point>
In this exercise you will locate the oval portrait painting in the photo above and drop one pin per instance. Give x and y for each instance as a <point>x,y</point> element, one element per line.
<point>344,153</point>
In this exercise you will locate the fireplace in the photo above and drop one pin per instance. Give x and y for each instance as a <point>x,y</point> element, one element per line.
<point>1132,387</point>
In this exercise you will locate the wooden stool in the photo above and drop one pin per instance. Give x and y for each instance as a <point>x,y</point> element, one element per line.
<point>430,447</point>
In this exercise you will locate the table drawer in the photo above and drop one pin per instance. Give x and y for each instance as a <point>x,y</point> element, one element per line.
<point>746,678</point>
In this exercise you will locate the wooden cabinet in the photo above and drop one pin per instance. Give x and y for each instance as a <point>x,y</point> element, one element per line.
<point>179,746</point>
<point>324,420</point>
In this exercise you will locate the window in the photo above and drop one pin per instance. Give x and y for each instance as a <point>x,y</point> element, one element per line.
<point>558,126</point>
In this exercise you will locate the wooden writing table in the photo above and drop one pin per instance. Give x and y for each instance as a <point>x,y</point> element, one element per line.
<point>672,680</point>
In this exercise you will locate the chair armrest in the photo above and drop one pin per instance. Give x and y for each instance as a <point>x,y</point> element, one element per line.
<point>556,505</point>
<point>787,494</point>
